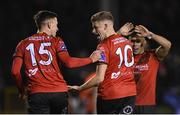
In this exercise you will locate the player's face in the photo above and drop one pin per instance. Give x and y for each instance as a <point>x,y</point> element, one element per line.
<point>99,29</point>
<point>54,26</point>
<point>137,45</point>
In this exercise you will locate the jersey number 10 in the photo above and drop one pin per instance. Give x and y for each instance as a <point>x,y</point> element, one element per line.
<point>125,58</point>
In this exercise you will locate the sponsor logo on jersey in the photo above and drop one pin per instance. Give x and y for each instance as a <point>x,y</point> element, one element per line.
<point>37,38</point>
<point>114,75</point>
<point>32,71</point>
<point>118,40</point>
<point>142,67</point>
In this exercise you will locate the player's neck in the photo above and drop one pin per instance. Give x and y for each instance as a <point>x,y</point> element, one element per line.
<point>110,33</point>
<point>44,31</point>
<point>141,51</point>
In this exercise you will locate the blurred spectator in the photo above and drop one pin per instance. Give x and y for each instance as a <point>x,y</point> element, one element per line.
<point>172,97</point>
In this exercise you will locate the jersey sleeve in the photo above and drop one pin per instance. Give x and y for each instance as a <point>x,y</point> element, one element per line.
<point>73,62</point>
<point>19,51</point>
<point>105,53</point>
<point>69,61</point>
<point>16,72</point>
<point>60,45</point>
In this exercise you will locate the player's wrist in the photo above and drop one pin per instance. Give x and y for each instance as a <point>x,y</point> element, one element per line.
<point>80,88</point>
<point>91,60</point>
<point>150,35</point>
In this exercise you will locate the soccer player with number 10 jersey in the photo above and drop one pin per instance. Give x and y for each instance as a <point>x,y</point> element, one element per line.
<point>114,72</point>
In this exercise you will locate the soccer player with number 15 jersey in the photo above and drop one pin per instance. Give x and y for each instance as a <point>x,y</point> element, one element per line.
<point>40,54</point>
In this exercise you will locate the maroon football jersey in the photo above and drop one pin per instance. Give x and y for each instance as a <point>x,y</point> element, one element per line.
<point>39,53</point>
<point>146,68</point>
<point>119,77</point>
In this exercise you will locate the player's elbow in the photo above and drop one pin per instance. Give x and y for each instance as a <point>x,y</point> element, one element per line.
<point>100,79</point>
<point>15,73</point>
<point>166,50</point>
<point>169,45</point>
<point>69,64</point>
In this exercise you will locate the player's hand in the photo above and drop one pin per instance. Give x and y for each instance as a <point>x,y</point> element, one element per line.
<point>142,31</point>
<point>75,87</point>
<point>126,29</point>
<point>95,56</point>
<point>23,94</point>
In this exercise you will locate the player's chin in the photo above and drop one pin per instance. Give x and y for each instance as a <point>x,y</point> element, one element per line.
<point>135,51</point>
<point>98,37</point>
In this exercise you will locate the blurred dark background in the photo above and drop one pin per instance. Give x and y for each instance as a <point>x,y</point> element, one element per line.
<point>159,16</point>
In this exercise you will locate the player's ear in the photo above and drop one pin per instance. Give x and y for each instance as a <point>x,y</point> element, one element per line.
<point>105,26</point>
<point>49,26</point>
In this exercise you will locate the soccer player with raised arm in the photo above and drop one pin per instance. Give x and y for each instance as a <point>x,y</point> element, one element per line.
<point>146,64</point>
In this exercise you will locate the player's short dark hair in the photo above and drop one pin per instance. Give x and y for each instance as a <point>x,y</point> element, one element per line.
<point>103,15</point>
<point>42,16</point>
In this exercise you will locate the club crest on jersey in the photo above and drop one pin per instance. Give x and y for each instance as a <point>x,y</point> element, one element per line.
<point>63,47</point>
<point>103,57</point>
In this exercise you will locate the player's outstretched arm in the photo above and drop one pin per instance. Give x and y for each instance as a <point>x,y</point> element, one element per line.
<point>73,62</point>
<point>165,44</point>
<point>100,72</point>
<point>94,81</point>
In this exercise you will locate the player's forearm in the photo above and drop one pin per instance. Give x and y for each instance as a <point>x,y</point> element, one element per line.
<point>72,62</point>
<point>18,79</point>
<point>19,83</point>
<point>90,83</point>
<point>77,62</point>
<point>166,44</point>
<point>100,73</point>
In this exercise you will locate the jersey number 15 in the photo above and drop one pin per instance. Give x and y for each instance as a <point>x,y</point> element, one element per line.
<point>41,51</point>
